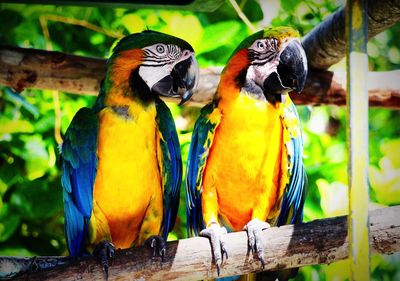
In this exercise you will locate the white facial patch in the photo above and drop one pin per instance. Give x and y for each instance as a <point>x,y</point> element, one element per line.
<point>258,73</point>
<point>152,74</point>
<point>159,60</point>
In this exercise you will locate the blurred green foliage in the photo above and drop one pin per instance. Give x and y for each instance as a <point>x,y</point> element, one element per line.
<point>31,212</point>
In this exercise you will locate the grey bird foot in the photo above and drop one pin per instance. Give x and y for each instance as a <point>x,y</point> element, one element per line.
<point>215,233</point>
<point>158,245</point>
<point>255,243</point>
<point>105,251</point>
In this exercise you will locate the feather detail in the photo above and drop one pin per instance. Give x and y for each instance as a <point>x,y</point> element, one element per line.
<point>170,166</point>
<point>202,140</point>
<point>294,195</point>
<point>79,165</point>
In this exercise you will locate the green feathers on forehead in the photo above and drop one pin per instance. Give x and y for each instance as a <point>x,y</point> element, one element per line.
<point>148,38</point>
<point>278,33</point>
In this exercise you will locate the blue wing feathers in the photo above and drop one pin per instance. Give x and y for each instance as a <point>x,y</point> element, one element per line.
<point>83,188</point>
<point>192,166</point>
<point>176,164</point>
<point>75,228</point>
<point>198,153</point>
<point>294,195</point>
<point>79,165</point>
<point>171,165</point>
<point>65,180</point>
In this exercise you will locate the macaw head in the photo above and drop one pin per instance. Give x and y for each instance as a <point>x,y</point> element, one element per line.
<point>268,63</point>
<point>151,63</point>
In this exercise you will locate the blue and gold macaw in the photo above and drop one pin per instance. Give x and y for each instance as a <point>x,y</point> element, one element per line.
<point>121,160</point>
<point>245,168</point>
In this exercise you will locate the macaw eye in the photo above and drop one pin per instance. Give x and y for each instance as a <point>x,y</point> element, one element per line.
<point>160,49</point>
<point>261,45</point>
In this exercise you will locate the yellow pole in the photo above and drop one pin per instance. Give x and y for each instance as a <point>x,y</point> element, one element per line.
<point>357,136</point>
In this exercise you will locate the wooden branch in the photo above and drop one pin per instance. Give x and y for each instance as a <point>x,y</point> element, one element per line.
<point>326,87</point>
<point>29,68</point>
<point>316,242</point>
<point>325,45</point>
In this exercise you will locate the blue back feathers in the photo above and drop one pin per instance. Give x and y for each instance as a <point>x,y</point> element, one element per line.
<point>79,165</point>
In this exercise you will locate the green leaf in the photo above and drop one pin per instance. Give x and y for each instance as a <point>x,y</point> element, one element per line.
<point>217,35</point>
<point>183,25</point>
<point>339,270</point>
<point>9,20</point>
<point>3,189</point>
<point>36,157</point>
<point>15,252</point>
<point>9,174</point>
<point>8,223</point>
<point>9,126</point>
<point>253,11</point>
<point>172,236</point>
<point>385,182</point>
<point>133,23</point>
<point>97,39</point>
<point>391,149</point>
<point>334,199</point>
<point>289,5</point>
<point>45,123</point>
<point>37,200</point>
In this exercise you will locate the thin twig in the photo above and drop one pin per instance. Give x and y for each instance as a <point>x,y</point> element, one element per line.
<point>242,4</point>
<point>242,15</point>
<point>57,117</point>
<point>85,24</point>
<point>46,33</point>
<point>55,93</point>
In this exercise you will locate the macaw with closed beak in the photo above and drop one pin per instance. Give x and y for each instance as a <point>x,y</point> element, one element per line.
<point>245,169</point>
<point>121,160</point>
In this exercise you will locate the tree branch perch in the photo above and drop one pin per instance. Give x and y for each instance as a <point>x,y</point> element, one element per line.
<point>316,242</point>
<point>29,68</point>
<point>325,44</point>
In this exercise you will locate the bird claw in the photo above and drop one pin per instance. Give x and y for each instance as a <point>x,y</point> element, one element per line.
<point>215,234</point>
<point>254,229</point>
<point>105,251</point>
<point>157,243</point>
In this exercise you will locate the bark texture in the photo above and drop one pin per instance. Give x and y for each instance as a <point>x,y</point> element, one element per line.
<point>325,44</point>
<point>316,242</point>
<point>29,68</point>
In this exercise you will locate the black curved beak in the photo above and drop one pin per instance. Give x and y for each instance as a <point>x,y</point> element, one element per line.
<point>291,72</point>
<point>181,81</point>
<point>186,77</point>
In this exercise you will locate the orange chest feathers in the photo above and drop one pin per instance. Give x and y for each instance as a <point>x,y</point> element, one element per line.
<point>128,179</point>
<point>246,161</point>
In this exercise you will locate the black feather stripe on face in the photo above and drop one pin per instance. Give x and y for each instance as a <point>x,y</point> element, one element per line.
<point>140,88</point>
<point>257,58</point>
<point>241,78</point>
<point>268,52</point>
<point>168,56</point>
